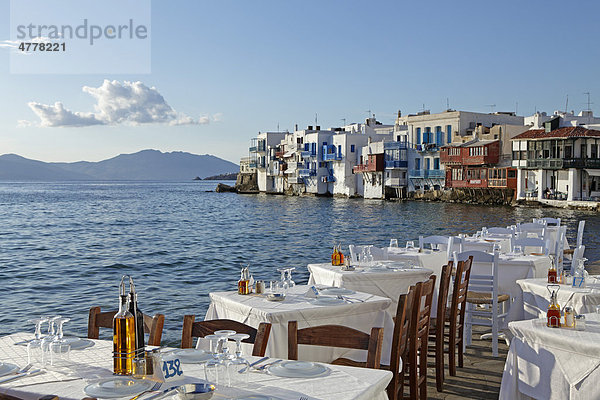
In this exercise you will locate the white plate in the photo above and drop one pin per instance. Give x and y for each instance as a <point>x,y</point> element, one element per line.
<point>327,301</point>
<point>78,343</point>
<point>191,356</point>
<point>112,388</point>
<point>7,368</point>
<point>334,291</point>
<point>298,369</point>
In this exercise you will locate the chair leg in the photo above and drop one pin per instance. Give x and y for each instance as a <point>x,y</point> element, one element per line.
<point>439,366</point>
<point>452,353</point>
<point>468,324</point>
<point>495,336</point>
<point>461,352</point>
<point>423,371</point>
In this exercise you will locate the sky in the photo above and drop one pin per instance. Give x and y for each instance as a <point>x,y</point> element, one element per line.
<point>221,71</point>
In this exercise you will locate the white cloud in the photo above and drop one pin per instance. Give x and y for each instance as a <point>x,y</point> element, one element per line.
<point>130,103</point>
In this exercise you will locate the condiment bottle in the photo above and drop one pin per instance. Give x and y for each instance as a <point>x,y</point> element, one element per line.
<point>335,256</point>
<point>569,317</point>
<point>243,283</point>
<point>552,275</point>
<point>553,313</point>
<point>341,254</point>
<point>139,320</point>
<point>123,336</point>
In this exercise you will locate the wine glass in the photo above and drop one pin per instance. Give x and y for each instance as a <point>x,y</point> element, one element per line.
<point>289,280</point>
<point>282,282</point>
<point>238,367</point>
<point>213,368</point>
<point>518,250</point>
<point>47,341</point>
<point>393,242</point>
<point>59,347</point>
<point>410,244</point>
<point>34,347</point>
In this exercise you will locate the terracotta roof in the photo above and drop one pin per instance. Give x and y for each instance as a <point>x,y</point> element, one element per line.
<point>565,132</point>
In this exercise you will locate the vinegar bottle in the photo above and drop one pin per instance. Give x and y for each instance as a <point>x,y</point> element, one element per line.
<point>553,312</point>
<point>123,337</point>
<point>139,320</point>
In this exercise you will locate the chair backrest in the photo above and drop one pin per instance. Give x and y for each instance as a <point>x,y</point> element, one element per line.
<point>379,253</point>
<point>580,232</point>
<point>400,340</point>
<point>104,319</point>
<point>442,300</point>
<point>559,247</point>
<point>537,229</point>
<point>438,242</point>
<point>550,221</point>
<point>336,336</point>
<point>577,255</point>
<point>500,231</point>
<point>484,272</point>
<point>259,337</point>
<point>458,303</point>
<point>540,244</point>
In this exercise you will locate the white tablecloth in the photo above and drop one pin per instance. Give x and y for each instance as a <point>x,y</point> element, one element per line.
<point>552,363</point>
<point>96,362</point>
<point>377,281</point>
<point>365,312</point>
<point>433,260</point>
<point>513,268</point>
<point>486,244</point>
<point>536,297</point>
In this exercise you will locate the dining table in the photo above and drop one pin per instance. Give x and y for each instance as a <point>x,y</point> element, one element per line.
<point>552,363</point>
<point>536,296</point>
<point>93,364</point>
<point>358,310</point>
<point>382,278</point>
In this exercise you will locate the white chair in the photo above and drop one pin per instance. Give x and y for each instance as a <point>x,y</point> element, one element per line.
<point>579,238</point>
<point>529,229</point>
<point>559,248</point>
<point>500,231</point>
<point>537,243</point>
<point>580,233</point>
<point>577,255</point>
<point>483,298</point>
<point>438,242</point>
<point>379,253</point>
<point>550,221</point>
<point>354,252</point>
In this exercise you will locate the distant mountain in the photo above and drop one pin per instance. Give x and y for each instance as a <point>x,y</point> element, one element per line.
<point>143,165</point>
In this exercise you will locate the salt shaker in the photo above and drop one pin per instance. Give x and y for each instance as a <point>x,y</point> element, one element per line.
<point>580,322</point>
<point>260,287</point>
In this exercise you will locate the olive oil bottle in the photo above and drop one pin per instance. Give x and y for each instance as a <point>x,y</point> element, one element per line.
<point>123,336</point>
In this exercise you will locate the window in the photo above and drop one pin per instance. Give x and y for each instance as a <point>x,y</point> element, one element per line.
<point>324,143</point>
<point>428,164</point>
<point>583,151</point>
<point>512,173</point>
<point>418,135</point>
<point>594,153</point>
<point>417,164</point>
<point>515,155</point>
<point>448,134</point>
<point>439,139</point>
<point>427,135</point>
<point>351,148</point>
<point>340,150</point>
<point>568,152</point>
<point>436,163</point>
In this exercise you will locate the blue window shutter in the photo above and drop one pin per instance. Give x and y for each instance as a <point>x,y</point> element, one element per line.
<point>351,148</point>
<point>417,164</point>
<point>448,134</point>
<point>339,150</point>
<point>436,163</point>
<point>418,136</point>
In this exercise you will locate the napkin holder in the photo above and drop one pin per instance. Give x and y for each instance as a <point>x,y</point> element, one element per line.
<point>312,292</point>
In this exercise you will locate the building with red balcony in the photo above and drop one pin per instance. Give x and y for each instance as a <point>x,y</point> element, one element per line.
<point>474,164</point>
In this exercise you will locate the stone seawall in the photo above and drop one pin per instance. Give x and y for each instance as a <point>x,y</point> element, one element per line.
<point>488,196</point>
<point>246,183</point>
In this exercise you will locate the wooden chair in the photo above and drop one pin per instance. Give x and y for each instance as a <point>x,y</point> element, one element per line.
<point>336,336</point>
<point>438,325</point>
<point>418,339</point>
<point>395,388</point>
<point>104,319</point>
<point>457,314</point>
<point>259,337</point>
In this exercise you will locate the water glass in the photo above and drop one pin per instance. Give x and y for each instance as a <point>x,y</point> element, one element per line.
<point>393,242</point>
<point>518,250</point>
<point>60,349</point>
<point>410,245</point>
<point>238,363</point>
<point>34,347</point>
<point>213,368</point>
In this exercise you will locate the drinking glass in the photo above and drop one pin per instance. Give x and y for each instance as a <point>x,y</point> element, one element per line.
<point>34,347</point>
<point>518,250</point>
<point>393,242</point>
<point>59,347</point>
<point>289,280</point>
<point>238,363</point>
<point>213,368</point>
<point>282,282</point>
<point>47,341</point>
<point>274,287</point>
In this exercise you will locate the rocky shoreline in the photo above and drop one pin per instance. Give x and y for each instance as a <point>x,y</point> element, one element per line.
<point>247,184</point>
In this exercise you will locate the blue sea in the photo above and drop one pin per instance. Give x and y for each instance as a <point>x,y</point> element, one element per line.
<point>65,245</point>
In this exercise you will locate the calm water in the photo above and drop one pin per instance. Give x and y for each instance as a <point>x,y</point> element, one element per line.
<point>64,246</point>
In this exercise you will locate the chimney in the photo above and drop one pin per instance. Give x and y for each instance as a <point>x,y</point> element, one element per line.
<point>318,127</point>
<point>310,128</point>
<point>296,127</point>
